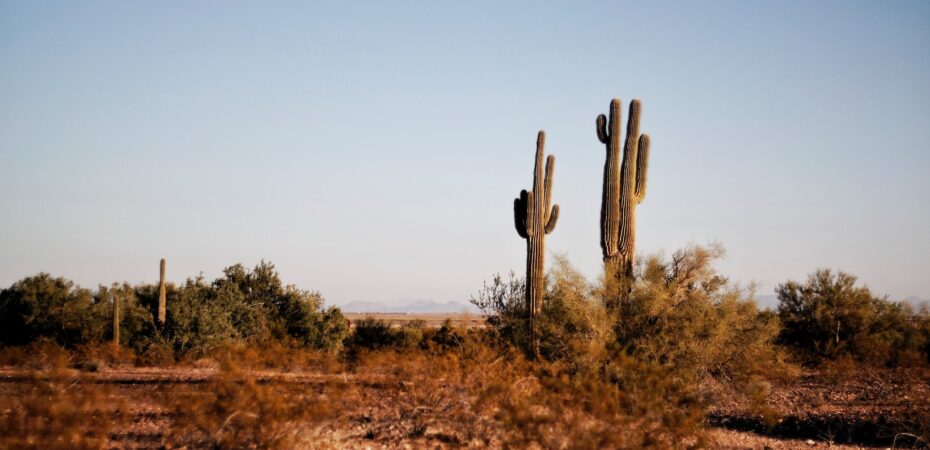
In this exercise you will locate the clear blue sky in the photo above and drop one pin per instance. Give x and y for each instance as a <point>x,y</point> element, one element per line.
<point>372,151</point>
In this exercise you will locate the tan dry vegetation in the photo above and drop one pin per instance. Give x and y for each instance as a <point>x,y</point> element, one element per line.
<point>470,396</point>
<point>686,360</point>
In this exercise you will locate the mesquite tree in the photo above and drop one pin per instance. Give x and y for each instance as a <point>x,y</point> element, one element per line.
<point>534,219</point>
<point>624,188</point>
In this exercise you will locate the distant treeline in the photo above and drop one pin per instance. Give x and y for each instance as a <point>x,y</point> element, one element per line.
<point>681,311</point>
<point>241,306</point>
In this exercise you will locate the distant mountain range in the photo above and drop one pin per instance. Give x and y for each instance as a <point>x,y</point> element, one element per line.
<point>433,307</point>
<point>418,306</point>
<point>916,301</point>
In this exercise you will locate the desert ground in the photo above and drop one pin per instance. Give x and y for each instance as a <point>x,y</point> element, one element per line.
<point>383,403</point>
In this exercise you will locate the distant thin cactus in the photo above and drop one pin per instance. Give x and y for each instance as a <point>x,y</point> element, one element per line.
<point>534,219</point>
<point>162,295</point>
<point>624,188</point>
<point>115,319</point>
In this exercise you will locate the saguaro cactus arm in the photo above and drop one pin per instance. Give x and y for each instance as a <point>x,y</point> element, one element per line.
<point>552,212</point>
<point>553,218</point>
<point>642,167</point>
<point>547,184</point>
<point>520,212</point>
<point>601,124</point>
<point>526,212</point>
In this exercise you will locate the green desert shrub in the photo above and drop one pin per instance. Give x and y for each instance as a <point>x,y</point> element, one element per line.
<point>371,334</point>
<point>136,323</point>
<point>503,302</point>
<point>683,313</point>
<point>242,306</point>
<point>299,315</point>
<point>55,308</point>
<point>198,320</point>
<point>830,317</point>
<point>411,334</point>
<point>448,337</point>
<point>268,308</point>
<point>376,334</point>
<point>573,326</point>
<point>250,306</point>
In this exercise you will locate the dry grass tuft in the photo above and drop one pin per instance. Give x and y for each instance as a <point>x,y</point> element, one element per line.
<point>59,410</point>
<point>238,409</point>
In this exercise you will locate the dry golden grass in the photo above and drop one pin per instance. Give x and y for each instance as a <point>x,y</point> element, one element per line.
<point>468,394</point>
<point>58,409</point>
<point>236,409</point>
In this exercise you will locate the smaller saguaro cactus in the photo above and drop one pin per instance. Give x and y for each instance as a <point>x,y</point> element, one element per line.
<point>115,320</point>
<point>162,294</point>
<point>534,219</point>
<point>624,188</point>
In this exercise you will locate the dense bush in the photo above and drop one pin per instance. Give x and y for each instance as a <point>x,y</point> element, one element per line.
<point>683,313</point>
<point>244,305</point>
<point>136,323</point>
<point>43,306</point>
<point>251,306</point>
<point>586,388</point>
<point>372,334</point>
<point>830,317</point>
<point>572,324</point>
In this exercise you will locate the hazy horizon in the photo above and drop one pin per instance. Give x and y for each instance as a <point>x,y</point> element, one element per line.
<point>372,152</point>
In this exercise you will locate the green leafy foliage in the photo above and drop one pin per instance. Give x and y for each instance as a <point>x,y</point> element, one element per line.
<point>44,306</point>
<point>573,325</point>
<point>586,387</point>
<point>572,322</point>
<point>829,317</point>
<point>136,323</point>
<point>241,306</point>
<point>683,313</point>
<point>371,334</point>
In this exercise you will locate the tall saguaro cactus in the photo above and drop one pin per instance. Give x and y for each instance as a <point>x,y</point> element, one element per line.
<point>624,188</point>
<point>115,319</point>
<point>162,294</point>
<point>534,219</point>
